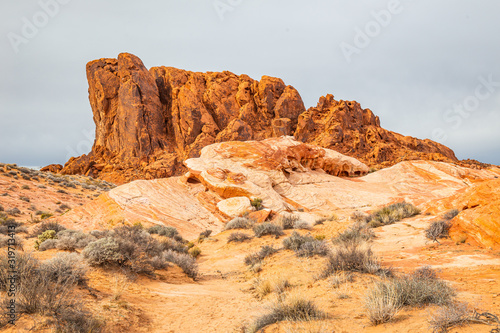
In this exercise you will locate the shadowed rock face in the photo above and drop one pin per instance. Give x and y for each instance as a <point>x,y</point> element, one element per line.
<point>149,121</point>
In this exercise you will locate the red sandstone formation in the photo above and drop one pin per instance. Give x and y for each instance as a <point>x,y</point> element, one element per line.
<point>149,122</point>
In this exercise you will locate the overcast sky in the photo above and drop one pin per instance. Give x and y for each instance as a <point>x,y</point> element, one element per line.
<point>429,69</point>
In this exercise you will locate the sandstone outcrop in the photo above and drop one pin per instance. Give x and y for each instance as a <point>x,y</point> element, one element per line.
<point>479,218</point>
<point>347,128</point>
<point>286,174</point>
<point>148,122</point>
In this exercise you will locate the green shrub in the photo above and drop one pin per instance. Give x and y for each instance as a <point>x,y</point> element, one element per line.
<point>48,234</point>
<point>268,229</point>
<point>239,223</point>
<point>257,203</point>
<point>194,251</point>
<point>238,237</point>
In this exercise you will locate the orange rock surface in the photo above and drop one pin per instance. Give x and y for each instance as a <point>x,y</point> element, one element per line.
<point>149,121</point>
<point>479,218</point>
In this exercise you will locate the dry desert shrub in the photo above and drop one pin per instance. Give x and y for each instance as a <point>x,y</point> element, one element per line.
<point>186,262</point>
<point>357,233</point>
<point>238,237</point>
<point>352,257</point>
<point>390,214</point>
<point>239,223</point>
<point>305,246</point>
<point>294,308</point>
<point>437,229</point>
<point>417,289</point>
<point>267,229</point>
<point>449,215</point>
<point>256,258</point>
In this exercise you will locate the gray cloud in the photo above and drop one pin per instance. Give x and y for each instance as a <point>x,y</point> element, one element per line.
<point>428,58</point>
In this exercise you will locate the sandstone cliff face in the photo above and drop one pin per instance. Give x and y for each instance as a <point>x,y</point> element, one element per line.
<point>347,128</point>
<point>149,121</point>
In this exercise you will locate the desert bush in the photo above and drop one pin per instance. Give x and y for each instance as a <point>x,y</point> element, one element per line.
<point>415,289</point>
<point>292,309</point>
<point>25,187</point>
<point>73,239</point>
<point>356,233</point>
<point>1,208</point>
<point>257,257</point>
<point>238,237</point>
<point>239,223</point>
<point>257,203</point>
<point>8,225</point>
<point>76,319</point>
<point>23,198</point>
<point>266,228</point>
<point>65,267</point>
<point>64,207</point>
<point>186,262</point>
<point>339,278</point>
<point>6,241</point>
<point>287,221</point>
<point>104,251</point>
<point>47,234</point>
<point>452,315</point>
<point>204,234</point>
<point>322,220</point>
<point>98,234</point>
<point>41,228</point>
<point>295,241</point>
<point>315,247</point>
<point>169,232</point>
<point>47,244</point>
<point>437,229</point>
<point>171,244</point>
<point>353,257</point>
<point>194,251</point>
<point>264,287</point>
<point>46,215</point>
<point>305,246</point>
<point>13,211</point>
<point>382,303</point>
<point>425,272</point>
<point>449,215</point>
<point>391,214</point>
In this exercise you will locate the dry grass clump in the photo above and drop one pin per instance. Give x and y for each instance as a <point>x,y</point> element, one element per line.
<point>290,221</point>
<point>460,314</point>
<point>48,289</point>
<point>266,228</point>
<point>263,287</point>
<point>65,267</point>
<point>294,308</point>
<point>419,288</point>
<point>357,233</point>
<point>389,214</point>
<point>305,246</point>
<point>449,215</point>
<point>186,262</point>
<point>238,237</point>
<point>340,278</point>
<point>239,223</point>
<point>352,257</point>
<point>438,229</point>
<point>257,257</point>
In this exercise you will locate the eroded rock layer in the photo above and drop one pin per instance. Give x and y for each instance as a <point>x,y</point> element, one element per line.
<point>149,121</point>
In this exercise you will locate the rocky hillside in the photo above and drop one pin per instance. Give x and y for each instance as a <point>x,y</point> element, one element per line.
<point>149,121</point>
